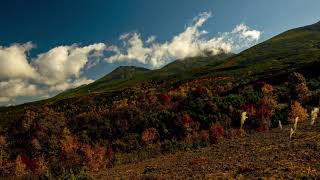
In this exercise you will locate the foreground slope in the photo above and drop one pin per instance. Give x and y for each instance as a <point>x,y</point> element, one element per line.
<point>263,155</point>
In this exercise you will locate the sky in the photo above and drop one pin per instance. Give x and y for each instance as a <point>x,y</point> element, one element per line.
<point>48,46</point>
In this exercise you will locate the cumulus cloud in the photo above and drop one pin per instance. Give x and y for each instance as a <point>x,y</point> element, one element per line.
<point>56,70</point>
<point>13,62</point>
<point>191,42</point>
<point>70,84</point>
<point>246,32</point>
<point>17,87</point>
<point>64,62</point>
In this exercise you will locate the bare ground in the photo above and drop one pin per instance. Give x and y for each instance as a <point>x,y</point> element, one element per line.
<point>267,155</point>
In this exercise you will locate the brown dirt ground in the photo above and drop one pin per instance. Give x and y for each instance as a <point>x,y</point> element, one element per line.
<point>268,155</point>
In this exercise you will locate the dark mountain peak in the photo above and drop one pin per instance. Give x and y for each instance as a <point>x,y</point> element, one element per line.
<point>124,72</point>
<point>192,62</point>
<point>125,67</point>
<point>128,69</point>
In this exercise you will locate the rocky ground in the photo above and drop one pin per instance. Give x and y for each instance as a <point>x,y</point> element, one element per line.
<point>267,155</point>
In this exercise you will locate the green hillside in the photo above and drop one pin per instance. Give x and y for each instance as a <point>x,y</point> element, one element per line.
<point>115,80</point>
<point>294,50</point>
<point>129,76</point>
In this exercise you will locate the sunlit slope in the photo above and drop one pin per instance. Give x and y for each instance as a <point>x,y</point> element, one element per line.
<point>294,50</point>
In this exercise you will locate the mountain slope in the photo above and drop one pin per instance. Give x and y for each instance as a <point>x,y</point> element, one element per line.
<point>190,63</point>
<point>112,80</point>
<point>297,49</point>
<point>128,76</point>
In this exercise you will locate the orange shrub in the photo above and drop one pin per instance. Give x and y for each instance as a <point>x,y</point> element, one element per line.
<point>96,158</point>
<point>149,135</point>
<point>3,141</point>
<point>7,168</point>
<point>42,166</point>
<point>302,92</point>
<point>28,119</point>
<point>267,89</point>
<point>20,167</point>
<point>298,111</point>
<point>36,144</point>
<point>121,104</point>
<point>69,147</point>
<point>69,144</point>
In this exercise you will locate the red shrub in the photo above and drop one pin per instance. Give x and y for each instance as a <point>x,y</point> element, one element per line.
<point>195,125</point>
<point>204,136</point>
<point>189,139</point>
<point>30,163</point>
<point>216,132</point>
<point>200,90</point>
<point>185,121</point>
<point>260,129</point>
<point>164,98</point>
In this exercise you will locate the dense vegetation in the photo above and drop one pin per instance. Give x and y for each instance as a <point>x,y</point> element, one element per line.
<point>138,112</point>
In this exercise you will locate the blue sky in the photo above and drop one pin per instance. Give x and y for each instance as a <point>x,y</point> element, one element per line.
<point>88,29</point>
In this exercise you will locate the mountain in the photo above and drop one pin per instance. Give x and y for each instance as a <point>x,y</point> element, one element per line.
<point>127,76</point>
<point>179,66</point>
<point>109,82</point>
<point>135,113</point>
<point>294,50</point>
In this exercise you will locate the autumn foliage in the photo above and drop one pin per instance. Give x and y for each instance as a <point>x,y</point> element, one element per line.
<point>150,135</point>
<point>297,111</point>
<point>216,133</point>
<point>87,133</point>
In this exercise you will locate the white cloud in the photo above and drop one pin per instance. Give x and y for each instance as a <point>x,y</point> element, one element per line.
<point>17,87</point>
<point>4,99</point>
<point>135,49</point>
<point>56,70</point>
<point>246,32</point>
<point>13,62</point>
<point>63,62</point>
<point>191,42</point>
<point>70,84</point>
